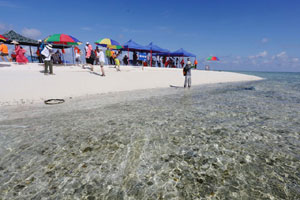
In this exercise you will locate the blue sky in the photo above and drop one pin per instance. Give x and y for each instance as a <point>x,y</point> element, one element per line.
<point>254,35</point>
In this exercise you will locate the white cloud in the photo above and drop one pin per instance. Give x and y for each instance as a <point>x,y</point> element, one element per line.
<point>295,60</point>
<point>262,54</point>
<point>259,55</point>
<point>31,32</point>
<point>281,55</point>
<point>264,40</point>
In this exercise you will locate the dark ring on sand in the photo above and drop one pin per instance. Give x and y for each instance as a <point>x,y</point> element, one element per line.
<point>54,101</point>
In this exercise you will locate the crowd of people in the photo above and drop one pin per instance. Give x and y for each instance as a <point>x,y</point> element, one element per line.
<point>46,55</point>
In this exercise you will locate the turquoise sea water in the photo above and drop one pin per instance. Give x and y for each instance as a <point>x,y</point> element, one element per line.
<point>224,141</point>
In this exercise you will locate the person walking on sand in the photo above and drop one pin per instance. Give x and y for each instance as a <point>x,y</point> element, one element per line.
<point>187,73</point>
<point>47,53</point>
<point>101,61</point>
<point>117,63</point>
<point>89,58</point>
<point>4,52</point>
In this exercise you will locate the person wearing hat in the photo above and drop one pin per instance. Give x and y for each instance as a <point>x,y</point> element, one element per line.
<point>187,73</point>
<point>20,53</point>
<point>47,52</point>
<point>4,52</point>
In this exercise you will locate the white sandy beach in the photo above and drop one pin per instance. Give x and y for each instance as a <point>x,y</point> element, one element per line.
<point>28,84</point>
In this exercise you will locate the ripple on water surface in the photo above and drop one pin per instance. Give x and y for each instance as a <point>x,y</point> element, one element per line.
<point>236,141</point>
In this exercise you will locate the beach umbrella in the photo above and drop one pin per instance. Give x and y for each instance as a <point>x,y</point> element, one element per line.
<point>212,58</point>
<point>106,42</point>
<point>2,38</point>
<point>62,39</point>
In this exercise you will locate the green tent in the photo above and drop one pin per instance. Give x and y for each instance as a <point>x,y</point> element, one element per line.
<point>12,35</point>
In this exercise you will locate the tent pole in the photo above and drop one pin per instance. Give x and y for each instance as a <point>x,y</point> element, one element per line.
<point>30,53</point>
<point>73,54</point>
<point>128,55</point>
<point>151,58</point>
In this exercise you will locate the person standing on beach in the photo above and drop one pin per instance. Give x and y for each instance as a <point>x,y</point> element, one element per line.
<point>77,55</point>
<point>182,63</point>
<point>88,55</point>
<point>195,63</point>
<point>112,57</point>
<point>108,55</point>
<point>101,60</point>
<point>40,48</point>
<point>125,60</point>
<point>4,52</point>
<point>47,53</point>
<point>187,73</point>
<point>134,58</point>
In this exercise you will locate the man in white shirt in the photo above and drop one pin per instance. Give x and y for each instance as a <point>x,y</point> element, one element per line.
<point>101,60</point>
<point>47,52</point>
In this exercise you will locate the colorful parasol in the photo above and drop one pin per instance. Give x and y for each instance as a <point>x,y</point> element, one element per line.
<point>3,38</point>
<point>62,39</point>
<point>106,42</point>
<point>212,58</point>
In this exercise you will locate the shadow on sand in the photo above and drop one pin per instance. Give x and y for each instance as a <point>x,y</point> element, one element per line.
<point>5,65</point>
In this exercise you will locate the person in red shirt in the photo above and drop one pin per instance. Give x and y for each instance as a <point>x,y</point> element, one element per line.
<point>195,63</point>
<point>182,63</point>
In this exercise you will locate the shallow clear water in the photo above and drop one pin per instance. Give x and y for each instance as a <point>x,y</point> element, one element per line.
<point>225,141</point>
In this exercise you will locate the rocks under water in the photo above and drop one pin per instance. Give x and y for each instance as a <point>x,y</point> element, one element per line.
<point>212,142</point>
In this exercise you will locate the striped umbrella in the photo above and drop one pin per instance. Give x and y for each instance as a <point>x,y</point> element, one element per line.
<point>212,58</point>
<point>3,38</point>
<point>62,39</point>
<point>106,42</point>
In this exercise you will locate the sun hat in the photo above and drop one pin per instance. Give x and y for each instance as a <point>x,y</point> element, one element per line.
<point>14,42</point>
<point>49,46</point>
<point>87,43</point>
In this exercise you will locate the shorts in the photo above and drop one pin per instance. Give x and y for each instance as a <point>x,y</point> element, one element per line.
<point>90,60</point>
<point>4,54</point>
<point>101,63</point>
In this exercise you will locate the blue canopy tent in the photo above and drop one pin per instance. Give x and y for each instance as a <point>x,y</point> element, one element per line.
<point>133,46</point>
<point>182,53</point>
<point>179,53</point>
<point>155,49</point>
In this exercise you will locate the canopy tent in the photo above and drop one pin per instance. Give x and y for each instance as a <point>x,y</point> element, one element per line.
<point>133,46</point>
<point>179,53</point>
<point>182,53</point>
<point>12,35</point>
<point>154,48</point>
<point>22,40</point>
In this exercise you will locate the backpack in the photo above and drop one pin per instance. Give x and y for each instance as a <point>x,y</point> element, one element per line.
<point>184,71</point>
<point>93,55</point>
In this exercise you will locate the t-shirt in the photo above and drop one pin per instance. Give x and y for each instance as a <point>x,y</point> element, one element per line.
<point>117,61</point>
<point>3,48</point>
<point>101,56</point>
